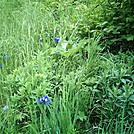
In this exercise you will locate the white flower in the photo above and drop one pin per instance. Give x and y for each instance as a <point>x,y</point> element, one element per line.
<point>5,107</point>
<point>64,45</point>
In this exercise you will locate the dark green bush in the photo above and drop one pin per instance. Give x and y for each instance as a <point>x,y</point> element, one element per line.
<point>118,25</point>
<point>113,20</point>
<point>112,92</point>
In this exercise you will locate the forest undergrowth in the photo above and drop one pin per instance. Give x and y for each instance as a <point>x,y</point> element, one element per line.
<point>57,73</point>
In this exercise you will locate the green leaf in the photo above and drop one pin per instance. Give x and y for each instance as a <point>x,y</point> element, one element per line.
<point>131,97</point>
<point>81,116</point>
<point>130,37</point>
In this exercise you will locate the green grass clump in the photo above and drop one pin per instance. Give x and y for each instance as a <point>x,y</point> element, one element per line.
<point>89,91</point>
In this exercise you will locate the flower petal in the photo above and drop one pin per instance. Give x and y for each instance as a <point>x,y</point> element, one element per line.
<point>44,99</point>
<point>39,102</point>
<point>56,39</point>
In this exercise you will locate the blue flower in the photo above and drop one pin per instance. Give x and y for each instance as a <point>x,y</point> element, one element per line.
<point>5,107</point>
<point>0,65</point>
<point>44,99</point>
<point>56,39</point>
<point>6,57</point>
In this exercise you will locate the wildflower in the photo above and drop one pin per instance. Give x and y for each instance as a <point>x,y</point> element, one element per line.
<point>0,65</point>
<point>6,57</point>
<point>44,99</point>
<point>56,39</point>
<point>5,107</point>
<point>64,45</point>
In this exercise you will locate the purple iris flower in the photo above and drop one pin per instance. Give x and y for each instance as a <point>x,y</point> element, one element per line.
<point>56,39</point>
<point>0,65</point>
<point>44,99</point>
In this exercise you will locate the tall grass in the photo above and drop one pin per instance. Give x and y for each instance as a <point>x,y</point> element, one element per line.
<point>89,92</point>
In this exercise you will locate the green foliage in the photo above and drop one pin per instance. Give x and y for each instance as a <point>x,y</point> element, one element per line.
<point>112,19</point>
<point>113,91</point>
<point>44,76</point>
<point>89,91</point>
<point>118,24</point>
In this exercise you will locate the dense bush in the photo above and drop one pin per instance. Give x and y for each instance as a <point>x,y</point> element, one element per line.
<point>118,25</point>
<point>109,95</point>
<point>113,20</point>
<point>113,91</point>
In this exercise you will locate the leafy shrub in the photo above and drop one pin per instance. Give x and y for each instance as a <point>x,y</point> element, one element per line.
<point>112,92</point>
<point>118,26</point>
<point>112,19</point>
